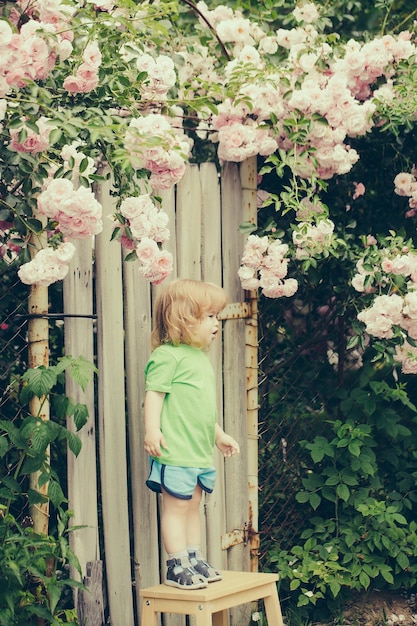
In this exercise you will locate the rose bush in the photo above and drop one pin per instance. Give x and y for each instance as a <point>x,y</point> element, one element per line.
<point>133,87</point>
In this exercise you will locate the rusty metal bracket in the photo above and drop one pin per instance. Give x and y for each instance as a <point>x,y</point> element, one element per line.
<point>239,535</point>
<point>233,538</point>
<point>236,310</point>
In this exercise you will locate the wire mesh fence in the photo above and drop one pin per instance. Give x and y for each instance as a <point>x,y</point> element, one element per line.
<point>13,338</point>
<point>290,402</point>
<point>304,369</point>
<point>14,360</point>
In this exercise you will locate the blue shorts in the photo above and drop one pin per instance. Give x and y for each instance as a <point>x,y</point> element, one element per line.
<point>180,481</point>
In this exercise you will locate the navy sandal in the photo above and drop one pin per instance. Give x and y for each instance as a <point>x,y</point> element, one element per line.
<point>181,574</point>
<point>205,569</point>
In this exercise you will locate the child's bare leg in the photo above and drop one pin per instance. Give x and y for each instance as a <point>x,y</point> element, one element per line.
<point>193,528</point>
<point>174,521</point>
<point>194,540</point>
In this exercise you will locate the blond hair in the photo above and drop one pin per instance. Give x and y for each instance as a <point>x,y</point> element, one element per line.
<point>180,307</point>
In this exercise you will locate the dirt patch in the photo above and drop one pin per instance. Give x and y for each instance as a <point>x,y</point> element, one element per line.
<point>381,608</point>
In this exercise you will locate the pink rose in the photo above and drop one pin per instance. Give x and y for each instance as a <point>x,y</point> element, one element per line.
<point>33,142</point>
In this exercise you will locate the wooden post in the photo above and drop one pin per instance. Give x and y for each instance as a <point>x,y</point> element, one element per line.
<point>248,176</point>
<point>38,354</point>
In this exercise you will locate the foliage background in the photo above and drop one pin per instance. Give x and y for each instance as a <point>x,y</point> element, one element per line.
<point>345,439</point>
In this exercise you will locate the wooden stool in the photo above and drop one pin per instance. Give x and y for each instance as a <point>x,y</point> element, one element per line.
<point>209,605</point>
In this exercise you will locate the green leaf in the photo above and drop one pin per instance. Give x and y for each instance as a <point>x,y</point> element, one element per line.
<point>74,443</point>
<point>34,497</point>
<point>41,437</point>
<point>54,594</point>
<point>335,587</point>
<point>80,415</point>
<point>35,225</point>
<point>402,560</point>
<point>364,580</point>
<point>315,500</point>
<point>32,464</point>
<point>343,492</point>
<point>4,445</point>
<point>55,136</point>
<point>302,497</point>
<point>354,448</point>
<point>55,493</point>
<point>82,370</point>
<point>387,576</point>
<point>39,381</point>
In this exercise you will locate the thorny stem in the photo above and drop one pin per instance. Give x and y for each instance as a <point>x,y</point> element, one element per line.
<point>211,27</point>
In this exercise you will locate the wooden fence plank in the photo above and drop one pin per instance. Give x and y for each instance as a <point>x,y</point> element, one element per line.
<point>144,509</point>
<point>211,270</point>
<point>188,224</point>
<point>234,379</point>
<point>90,605</point>
<point>169,199</point>
<point>112,419</point>
<point>82,474</point>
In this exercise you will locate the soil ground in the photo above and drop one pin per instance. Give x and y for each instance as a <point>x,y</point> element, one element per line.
<point>380,609</point>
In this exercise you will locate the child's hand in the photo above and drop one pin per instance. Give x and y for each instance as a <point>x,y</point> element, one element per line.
<point>226,444</point>
<point>154,441</point>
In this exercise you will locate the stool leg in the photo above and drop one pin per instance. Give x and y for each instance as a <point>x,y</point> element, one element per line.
<point>203,616</point>
<point>273,607</point>
<point>149,616</point>
<point>220,618</point>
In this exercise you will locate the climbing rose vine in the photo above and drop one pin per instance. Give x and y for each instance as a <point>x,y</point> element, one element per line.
<point>117,89</point>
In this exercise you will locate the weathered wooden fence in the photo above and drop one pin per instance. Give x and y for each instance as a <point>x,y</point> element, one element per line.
<point>107,481</point>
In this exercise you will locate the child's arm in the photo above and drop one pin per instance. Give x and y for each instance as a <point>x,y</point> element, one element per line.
<point>154,439</point>
<point>225,443</point>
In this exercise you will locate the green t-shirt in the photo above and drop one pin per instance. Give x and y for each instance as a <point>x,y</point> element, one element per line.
<point>188,416</point>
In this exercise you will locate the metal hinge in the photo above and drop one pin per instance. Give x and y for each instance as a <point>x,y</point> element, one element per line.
<point>236,310</point>
<point>236,536</point>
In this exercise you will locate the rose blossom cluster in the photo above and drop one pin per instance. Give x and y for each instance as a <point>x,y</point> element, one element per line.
<point>393,314</point>
<point>25,139</point>
<point>363,64</point>
<point>406,185</point>
<point>344,117</point>
<point>77,212</point>
<point>48,266</point>
<point>333,83</point>
<point>31,54</point>
<point>164,156</point>
<point>73,158</point>
<point>8,249</point>
<point>378,268</point>
<point>142,218</point>
<point>142,226</point>
<point>264,265</point>
<point>231,26</point>
<point>86,77</point>
<point>389,312</point>
<point>155,264</point>
<point>161,76</point>
<point>313,239</point>
<point>406,354</point>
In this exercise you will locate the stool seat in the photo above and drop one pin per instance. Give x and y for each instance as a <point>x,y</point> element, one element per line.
<point>210,606</point>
